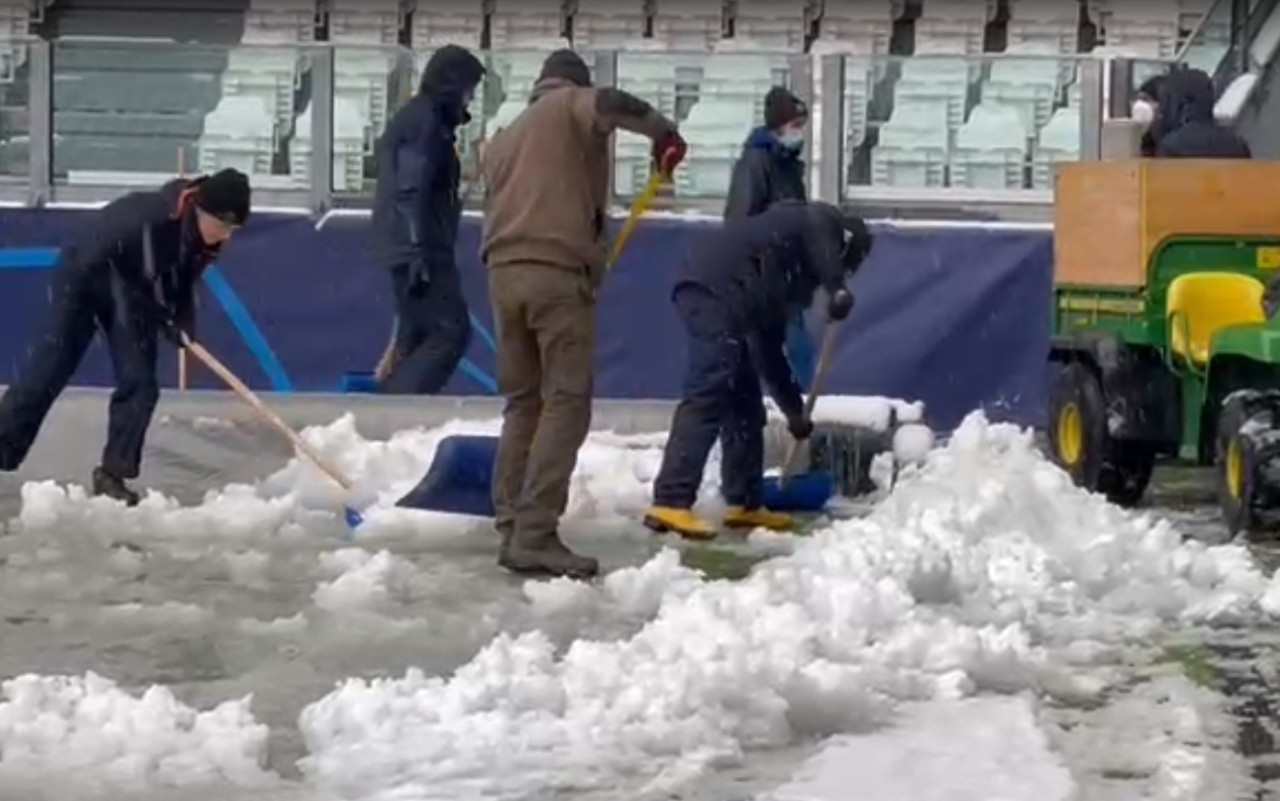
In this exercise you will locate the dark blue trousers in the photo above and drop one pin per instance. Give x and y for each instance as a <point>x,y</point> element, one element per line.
<point>81,305</point>
<point>721,399</point>
<point>433,331</point>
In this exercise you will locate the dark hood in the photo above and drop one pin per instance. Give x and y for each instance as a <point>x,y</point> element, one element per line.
<point>451,73</point>
<point>1183,97</point>
<point>766,140</point>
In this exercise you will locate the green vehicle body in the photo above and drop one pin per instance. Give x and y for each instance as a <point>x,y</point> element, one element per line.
<point>1125,336</point>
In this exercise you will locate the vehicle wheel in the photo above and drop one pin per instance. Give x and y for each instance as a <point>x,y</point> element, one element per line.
<point>1236,463</point>
<point>1078,425</point>
<point>1081,445</point>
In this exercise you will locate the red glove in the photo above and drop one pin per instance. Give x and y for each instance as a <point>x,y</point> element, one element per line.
<point>669,150</point>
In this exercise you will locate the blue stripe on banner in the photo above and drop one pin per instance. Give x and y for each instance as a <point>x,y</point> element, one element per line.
<point>28,258</point>
<point>244,324</point>
<point>485,336</point>
<point>239,315</point>
<point>479,376</point>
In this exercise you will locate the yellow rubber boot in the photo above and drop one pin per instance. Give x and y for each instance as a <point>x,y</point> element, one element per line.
<point>665,519</point>
<point>738,517</point>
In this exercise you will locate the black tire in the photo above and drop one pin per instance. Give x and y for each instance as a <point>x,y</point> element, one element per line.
<point>1078,425</point>
<point>1236,462</point>
<point>1119,470</point>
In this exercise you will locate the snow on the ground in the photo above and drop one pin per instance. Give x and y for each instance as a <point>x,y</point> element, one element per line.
<point>985,572</point>
<point>983,580</point>
<point>90,731</point>
<point>973,749</point>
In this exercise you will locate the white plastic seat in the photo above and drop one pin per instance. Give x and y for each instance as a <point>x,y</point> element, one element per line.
<point>365,21</point>
<point>271,74</point>
<point>688,25</point>
<point>241,133</point>
<point>913,147</point>
<point>279,21</point>
<point>1027,81</point>
<point>990,149</point>
<point>362,75</point>
<point>349,127</point>
<point>715,130</point>
<point>930,79</point>
<point>440,22</point>
<point>1059,141</point>
<point>524,23</point>
<point>609,24</point>
<point>771,24</point>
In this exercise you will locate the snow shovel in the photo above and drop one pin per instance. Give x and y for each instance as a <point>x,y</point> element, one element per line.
<point>460,478</point>
<point>786,484</point>
<point>237,386</point>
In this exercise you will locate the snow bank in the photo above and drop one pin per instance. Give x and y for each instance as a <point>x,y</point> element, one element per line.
<point>984,572</point>
<point>70,729</point>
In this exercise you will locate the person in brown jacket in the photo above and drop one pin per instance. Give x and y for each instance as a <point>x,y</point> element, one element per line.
<point>547,194</point>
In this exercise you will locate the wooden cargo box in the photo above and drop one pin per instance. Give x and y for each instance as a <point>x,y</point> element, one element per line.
<point>1109,217</point>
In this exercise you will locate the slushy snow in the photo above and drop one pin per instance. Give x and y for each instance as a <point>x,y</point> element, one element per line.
<point>983,586</point>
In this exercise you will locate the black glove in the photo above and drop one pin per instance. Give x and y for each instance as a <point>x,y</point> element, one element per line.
<point>173,332</point>
<point>419,275</point>
<point>839,304</point>
<point>857,245</point>
<point>800,426</point>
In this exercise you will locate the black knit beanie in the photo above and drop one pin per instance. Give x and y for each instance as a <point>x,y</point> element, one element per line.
<point>225,195</point>
<point>566,65</point>
<point>782,107</point>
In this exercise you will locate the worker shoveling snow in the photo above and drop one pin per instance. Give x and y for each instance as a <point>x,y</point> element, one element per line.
<point>984,576</point>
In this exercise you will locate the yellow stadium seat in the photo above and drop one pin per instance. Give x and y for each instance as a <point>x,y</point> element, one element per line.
<point>1202,304</point>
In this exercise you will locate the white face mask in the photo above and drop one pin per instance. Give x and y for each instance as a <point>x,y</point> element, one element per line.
<point>792,139</point>
<point>1144,111</point>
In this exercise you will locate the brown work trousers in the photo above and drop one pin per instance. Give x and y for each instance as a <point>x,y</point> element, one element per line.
<point>546,330</point>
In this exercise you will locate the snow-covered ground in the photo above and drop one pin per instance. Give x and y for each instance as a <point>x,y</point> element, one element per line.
<point>985,632</point>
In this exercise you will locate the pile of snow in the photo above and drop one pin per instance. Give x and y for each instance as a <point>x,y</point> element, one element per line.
<point>984,572</point>
<point>89,731</point>
<point>983,581</point>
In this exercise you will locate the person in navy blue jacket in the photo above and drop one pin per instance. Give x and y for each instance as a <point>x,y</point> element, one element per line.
<point>416,213</point>
<point>769,170</point>
<point>1184,126</point>
<point>735,295</point>
<point>132,274</point>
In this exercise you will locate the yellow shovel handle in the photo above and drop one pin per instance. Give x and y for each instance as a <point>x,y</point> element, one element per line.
<point>638,210</point>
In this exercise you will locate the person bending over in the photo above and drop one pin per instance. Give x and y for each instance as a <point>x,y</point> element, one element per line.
<point>734,297</point>
<point>131,274</point>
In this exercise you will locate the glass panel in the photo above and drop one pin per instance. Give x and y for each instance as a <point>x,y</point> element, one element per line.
<point>15,92</point>
<point>140,111</point>
<point>1210,39</point>
<point>990,122</point>
<point>717,98</point>
<point>370,84</point>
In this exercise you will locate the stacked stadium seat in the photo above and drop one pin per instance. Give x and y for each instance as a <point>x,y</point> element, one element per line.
<point>936,93</point>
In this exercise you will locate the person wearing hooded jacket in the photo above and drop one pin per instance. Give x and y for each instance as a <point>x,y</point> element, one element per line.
<point>546,179</point>
<point>416,214</point>
<point>770,170</point>
<point>735,294</point>
<point>1143,111</point>
<point>131,274</point>
<point>1183,125</point>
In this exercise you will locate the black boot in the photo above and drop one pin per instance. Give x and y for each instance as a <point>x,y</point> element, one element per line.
<point>546,557</point>
<point>112,486</point>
